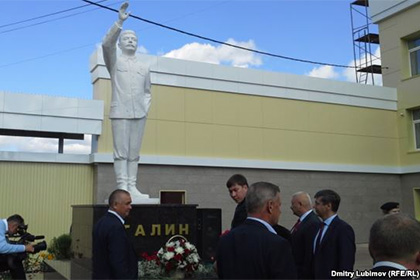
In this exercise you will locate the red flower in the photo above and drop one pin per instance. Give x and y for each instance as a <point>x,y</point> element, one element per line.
<point>171,249</point>
<point>151,257</point>
<point>168,266</point>
<point>178,257</point>
<point>189,267</point>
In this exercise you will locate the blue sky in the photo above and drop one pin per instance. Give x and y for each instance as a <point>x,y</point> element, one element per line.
<point>53,57</point>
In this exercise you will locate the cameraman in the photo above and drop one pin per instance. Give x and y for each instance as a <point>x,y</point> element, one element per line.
<point>8,260</point>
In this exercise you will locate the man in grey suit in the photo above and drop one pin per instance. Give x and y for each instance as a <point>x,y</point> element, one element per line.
<point>303,233</point>
<point>130,103</point>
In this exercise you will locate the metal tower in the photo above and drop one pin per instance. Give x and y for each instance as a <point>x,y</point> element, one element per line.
<point>364,59</point>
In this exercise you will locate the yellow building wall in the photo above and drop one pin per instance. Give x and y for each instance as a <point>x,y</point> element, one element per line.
<point>201,123</point>
<point>394,32</point>
<point>43,194</point>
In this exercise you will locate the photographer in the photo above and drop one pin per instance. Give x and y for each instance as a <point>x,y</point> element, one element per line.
<point>8,260</point>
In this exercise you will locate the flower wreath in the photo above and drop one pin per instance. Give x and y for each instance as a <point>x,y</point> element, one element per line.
<point>179,254</point>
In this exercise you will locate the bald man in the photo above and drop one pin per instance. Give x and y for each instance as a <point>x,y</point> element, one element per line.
<point>113,255</point>
<point>303,233</point>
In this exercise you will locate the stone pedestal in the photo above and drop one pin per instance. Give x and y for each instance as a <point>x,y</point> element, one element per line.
<point>140,200</point>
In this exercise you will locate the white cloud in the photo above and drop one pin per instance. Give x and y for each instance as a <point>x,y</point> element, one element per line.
<point>78,146</point>
<point>142,49</point>
<point>348,74</point>
<point>222,54</point>
<point>46,145</point>
<point>324,71</point>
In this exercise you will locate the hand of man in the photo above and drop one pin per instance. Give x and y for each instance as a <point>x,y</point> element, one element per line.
<point>123,15</point>
<point>29,248</point>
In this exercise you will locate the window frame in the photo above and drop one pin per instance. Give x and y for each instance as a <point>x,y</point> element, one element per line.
<point>417,121</point>
<point>415,49</point>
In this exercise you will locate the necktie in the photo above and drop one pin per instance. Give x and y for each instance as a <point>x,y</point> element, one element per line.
<point>318,239</point>
<point>295,227</point>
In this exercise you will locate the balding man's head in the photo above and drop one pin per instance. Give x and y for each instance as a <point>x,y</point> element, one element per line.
<point>396,238</point>
<point>120,202</point>
<point>263,201</point>
<point>301,203</point>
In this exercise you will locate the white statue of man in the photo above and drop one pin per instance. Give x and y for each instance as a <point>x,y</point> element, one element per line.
<point>130,103</point>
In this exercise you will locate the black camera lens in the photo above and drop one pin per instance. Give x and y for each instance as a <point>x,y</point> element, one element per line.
<point>41,246</point>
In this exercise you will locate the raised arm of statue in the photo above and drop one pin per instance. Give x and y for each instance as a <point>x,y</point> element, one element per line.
<point>123,14</point>
<point>110,40</point>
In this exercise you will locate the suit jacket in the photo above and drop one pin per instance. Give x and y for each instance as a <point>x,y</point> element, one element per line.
<point>302,245</point>
<point>113,254</point>
<point>336,251</point>
<point>251,251</point>
<point>383,269</point>
<point>283,232</point>
<point>240,214</point>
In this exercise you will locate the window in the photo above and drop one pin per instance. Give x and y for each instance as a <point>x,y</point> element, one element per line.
<point>416,127</point>
<point>172,197</point>
<point>414,52</point>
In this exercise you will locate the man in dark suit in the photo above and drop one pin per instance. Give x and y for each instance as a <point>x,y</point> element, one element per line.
<point>253,250</point>
<point>334,244</point>
<point>303,233</point>
<point>113,254</point>
<point>238,188</point>
<point>394,244</point>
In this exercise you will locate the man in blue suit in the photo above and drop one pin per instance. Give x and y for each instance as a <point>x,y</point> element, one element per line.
<point>334,245</point>
<point>113,254</point>
<point>253,250</point>
<point>9,261</point>
<point>303,233</point>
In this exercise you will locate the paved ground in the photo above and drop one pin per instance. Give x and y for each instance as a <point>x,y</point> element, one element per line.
<point>363,259</point>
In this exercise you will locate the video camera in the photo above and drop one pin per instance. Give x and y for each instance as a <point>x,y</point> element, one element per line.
<point>24,237</point>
